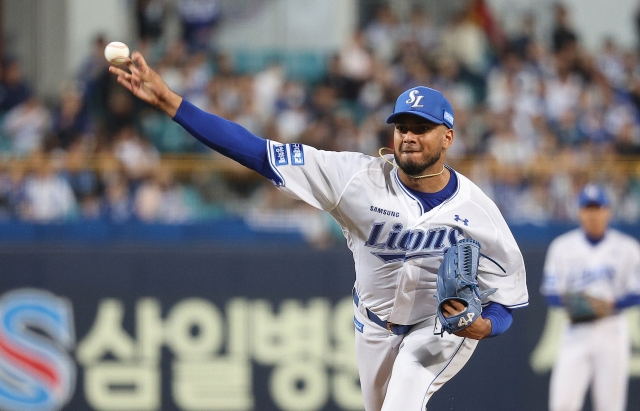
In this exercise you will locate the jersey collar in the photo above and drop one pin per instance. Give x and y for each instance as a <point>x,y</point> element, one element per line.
<point>416,199</point>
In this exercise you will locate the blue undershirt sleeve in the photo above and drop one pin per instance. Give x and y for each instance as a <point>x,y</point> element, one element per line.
<point>628,301</point>
<point>501,318</point>
<point>226,137</point>
<point>553,300</point>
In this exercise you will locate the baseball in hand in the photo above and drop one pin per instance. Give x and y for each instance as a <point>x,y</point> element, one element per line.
<point>116,52</point>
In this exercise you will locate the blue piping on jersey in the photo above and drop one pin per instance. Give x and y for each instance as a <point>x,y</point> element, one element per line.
<point>511,307</point>
<point>451,170</point>
<point>280,183</point>
<point>493,261</point>
<point>407,192</point>
<point>442,370</point>
<point>395,257</point>
<point>521,305</point>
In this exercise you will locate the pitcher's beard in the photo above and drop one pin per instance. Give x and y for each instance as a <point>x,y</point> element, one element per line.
<point>415,168</point>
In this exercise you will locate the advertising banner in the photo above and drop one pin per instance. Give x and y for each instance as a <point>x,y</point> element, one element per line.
<point>234,328</point>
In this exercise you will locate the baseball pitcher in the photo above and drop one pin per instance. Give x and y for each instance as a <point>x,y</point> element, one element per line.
<point>427,243</point>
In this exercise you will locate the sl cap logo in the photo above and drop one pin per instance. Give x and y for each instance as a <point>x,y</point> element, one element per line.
<point>414,99</point>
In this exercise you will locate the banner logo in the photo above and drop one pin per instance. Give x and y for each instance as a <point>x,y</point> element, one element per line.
<point>36,334</point>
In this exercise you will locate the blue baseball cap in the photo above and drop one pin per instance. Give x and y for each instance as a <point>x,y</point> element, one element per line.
<point>593,195</point>
<point>426,103</point>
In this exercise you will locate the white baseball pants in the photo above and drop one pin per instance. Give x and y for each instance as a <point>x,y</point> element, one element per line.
<point>592,354</point>
<point>401,372</point>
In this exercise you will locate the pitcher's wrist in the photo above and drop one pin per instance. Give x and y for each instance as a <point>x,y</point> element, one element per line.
<point>169,102</point>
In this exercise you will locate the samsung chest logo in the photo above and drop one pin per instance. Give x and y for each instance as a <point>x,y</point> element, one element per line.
<point>384,212</point>
<point>398,244</point>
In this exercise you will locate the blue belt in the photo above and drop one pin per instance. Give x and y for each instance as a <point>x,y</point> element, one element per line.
<point>396,329</point>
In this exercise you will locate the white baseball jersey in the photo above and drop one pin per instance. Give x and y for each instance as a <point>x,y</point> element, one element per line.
<point>610,270</point>
<point>397,247</point>
<point>593,353</point>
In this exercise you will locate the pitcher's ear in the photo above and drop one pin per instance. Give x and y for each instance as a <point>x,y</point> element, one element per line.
<point>448,138</point>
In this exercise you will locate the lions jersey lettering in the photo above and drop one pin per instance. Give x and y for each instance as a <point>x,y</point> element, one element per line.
<point>36,373</point>
<point>582,279</point>
<point>414,243</point>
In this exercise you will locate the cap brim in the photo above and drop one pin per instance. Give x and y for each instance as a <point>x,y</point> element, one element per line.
<point>593,203</point>
<point>392,118</point>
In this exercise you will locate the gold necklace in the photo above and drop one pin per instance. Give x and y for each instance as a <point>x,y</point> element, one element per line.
<point>395,165</point>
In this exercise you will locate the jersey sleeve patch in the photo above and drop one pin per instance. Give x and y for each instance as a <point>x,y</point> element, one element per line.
<point>280,156</point>
<point>297,154</point>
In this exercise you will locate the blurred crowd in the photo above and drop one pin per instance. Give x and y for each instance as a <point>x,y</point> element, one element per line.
<point>536,117</point>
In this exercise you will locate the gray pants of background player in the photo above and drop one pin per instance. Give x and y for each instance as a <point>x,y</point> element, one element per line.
<point>401,372</point>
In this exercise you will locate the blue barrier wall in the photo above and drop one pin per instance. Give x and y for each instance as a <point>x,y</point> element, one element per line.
<point>229,325</point>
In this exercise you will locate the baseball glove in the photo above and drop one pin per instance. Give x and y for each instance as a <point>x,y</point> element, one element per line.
<point>458,280</point>
<point>582,308</point>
